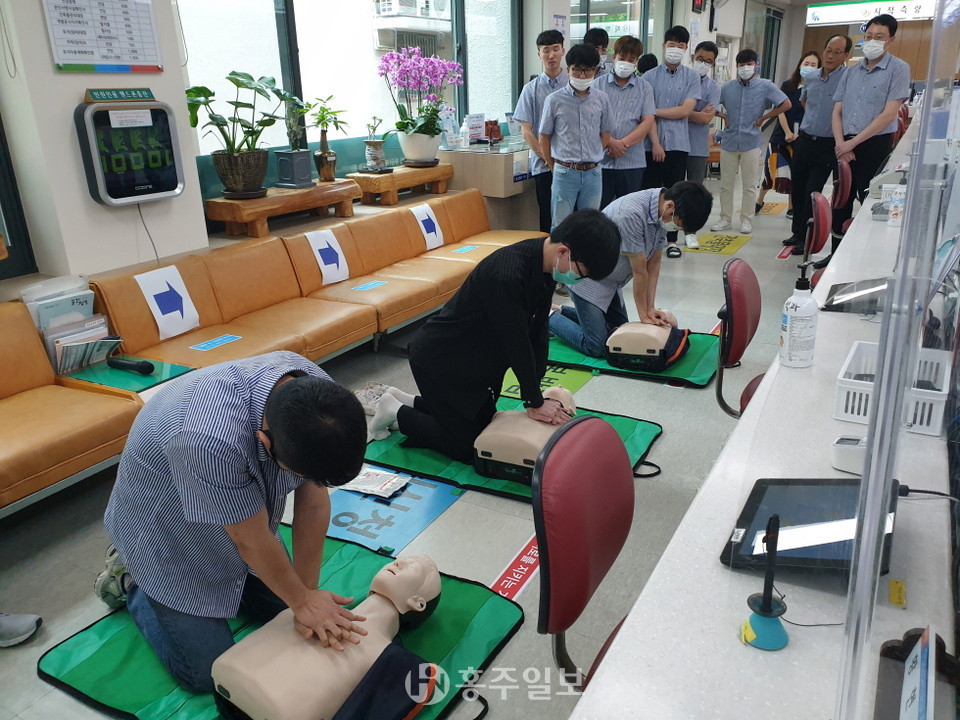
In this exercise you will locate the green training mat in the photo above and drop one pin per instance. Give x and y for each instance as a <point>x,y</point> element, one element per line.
<point>696,368</point>
<point>110,666</point>
<point>637,435</point>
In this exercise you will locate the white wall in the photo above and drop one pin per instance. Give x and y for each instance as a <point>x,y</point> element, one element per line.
<point>537,17</point>
<point>791,41</point>
<point>71,233</point>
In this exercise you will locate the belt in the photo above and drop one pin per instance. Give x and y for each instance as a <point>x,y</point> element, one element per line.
<point>577,166</point>
<point>815,137</point>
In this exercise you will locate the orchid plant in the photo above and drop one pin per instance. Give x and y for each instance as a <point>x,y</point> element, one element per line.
<point>416,85</point>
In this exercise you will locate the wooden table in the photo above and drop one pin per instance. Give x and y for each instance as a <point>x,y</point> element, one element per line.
<point>249,217</point>
<point>388,184</point>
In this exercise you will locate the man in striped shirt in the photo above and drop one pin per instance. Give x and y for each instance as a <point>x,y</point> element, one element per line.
<point>200,492</point>
<point>643,218</point>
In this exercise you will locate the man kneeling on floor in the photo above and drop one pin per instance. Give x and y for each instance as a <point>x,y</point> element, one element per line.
<point>643,218</point>
<point>496,321</point>
<point>200,492</point>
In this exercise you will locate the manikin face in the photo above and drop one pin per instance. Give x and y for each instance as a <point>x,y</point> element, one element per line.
<point>408,582</point>
<point>551,56</point>
<point>835,54</point>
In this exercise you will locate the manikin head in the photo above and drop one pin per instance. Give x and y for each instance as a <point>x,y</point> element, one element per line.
<point>562,396</point>
<point>411,583</point>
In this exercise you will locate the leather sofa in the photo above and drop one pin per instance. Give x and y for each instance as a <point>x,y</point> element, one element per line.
<point>53,431</point>
<point>270,292</point>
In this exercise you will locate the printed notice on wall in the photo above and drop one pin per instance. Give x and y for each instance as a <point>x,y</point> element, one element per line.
<point>103,35</point>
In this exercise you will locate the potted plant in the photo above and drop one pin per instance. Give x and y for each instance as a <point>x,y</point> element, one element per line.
<point>416,85</point>
<point>240,165</point>
<point>293,165</point>
<point>325,117</point>
<point>373,152</point>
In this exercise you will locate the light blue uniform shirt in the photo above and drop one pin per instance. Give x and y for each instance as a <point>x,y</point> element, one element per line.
<point>637,217</point>
<point>574,124</point>
<point>700,134</point>
<point>530,108</point>
<point>629,104</point>
<point>818,93</point>
<point>670,89</point>
<point>864,92</point>
<point>744,104</point>
<point>191,465</point>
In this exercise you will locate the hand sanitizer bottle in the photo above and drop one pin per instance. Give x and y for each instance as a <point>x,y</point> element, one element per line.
<point>798,327</point>
<point>464,135</point>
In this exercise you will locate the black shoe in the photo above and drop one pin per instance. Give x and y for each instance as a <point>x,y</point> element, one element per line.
<point>820,264</point>
<point>758,207</point>
<point>789,213</point>
<point>793,240</point>
<point>798,249</point>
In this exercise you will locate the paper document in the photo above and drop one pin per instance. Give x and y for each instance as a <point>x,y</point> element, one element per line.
<point>75,355</point>
<point>376,482</point>
<point>803,536</point>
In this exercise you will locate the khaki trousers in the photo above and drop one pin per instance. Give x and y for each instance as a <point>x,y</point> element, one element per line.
<point>748,164</point>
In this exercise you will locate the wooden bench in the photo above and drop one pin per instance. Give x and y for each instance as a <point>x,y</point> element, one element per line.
<point>389,184</point>
<point>249,217</point>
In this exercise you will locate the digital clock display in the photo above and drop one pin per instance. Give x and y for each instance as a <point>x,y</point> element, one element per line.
<point>130,151</point>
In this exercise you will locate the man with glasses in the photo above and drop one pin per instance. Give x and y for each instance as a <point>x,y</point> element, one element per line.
<point>865,115</point>
<point>574,130</point>
<point>813,151</point>
<point>701,119</point>
<point>200,491</point>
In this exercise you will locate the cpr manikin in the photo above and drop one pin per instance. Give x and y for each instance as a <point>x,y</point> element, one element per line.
<point>275,673</point>
<point>509,446</point>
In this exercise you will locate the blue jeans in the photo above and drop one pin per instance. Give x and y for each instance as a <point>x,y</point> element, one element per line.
<point>186,644</point>
<point>585,326</point>
<point>574,190</point>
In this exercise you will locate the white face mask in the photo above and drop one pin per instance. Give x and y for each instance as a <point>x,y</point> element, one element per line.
<point>745,72</point>
<point>669,225</point>
<point>701,67</point>
<point>872,49</point>
<point>673,55</point>
<point>581,84</point>
<point>623,69</point>
<point>807,72</point>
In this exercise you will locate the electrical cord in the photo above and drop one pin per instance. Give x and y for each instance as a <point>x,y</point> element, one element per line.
<point>152,243</point>
<point>905,490</point>
<point>9,59</point>
<point>784,617</point>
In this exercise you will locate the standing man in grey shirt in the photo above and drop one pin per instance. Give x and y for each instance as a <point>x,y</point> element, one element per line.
<point>865,115</point>
<point>529,109</point>
<point>813,150</point>
<point>701,119</point>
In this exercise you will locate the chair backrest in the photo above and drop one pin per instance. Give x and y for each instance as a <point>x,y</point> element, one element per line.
<point>25,362</point>
<point>904,112</point>
<point>583,496</point>
<point>741,314</point>
<point>841,188</point>
<point>901,128</point>
<point>820,221</point>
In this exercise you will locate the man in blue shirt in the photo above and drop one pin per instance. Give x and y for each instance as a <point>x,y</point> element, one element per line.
<point>631,105</point>
<point>643,218</point>
<point>200,492</point>
<point>865,115</point>
<point>813,151</point>
<point>701,119</point>
<point>528,112</point>
<point>574,130</point>
<point>744,101</point>
<point>676,89</point>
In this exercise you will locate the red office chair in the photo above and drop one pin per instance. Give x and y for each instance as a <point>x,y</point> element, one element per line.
<point>843,182</point>
<point>818,226</point>
<point>739,319</point>
<point>901,129</point>
<point>583,495</point>
<point>904,113</point>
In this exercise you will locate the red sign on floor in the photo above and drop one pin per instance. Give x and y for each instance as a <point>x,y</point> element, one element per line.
<point>518,571</point>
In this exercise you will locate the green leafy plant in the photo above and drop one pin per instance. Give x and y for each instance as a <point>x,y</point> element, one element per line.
<point>373,125</point>
<point>240,131</point>
<point>325,117</point>
<point>295,109</point>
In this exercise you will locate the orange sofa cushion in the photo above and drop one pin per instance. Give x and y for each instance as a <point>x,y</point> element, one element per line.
<point>251,276</point>
<point>22,356</point>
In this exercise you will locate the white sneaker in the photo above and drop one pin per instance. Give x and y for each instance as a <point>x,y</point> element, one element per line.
<point>691,241</point>
<point>112,584</point>
<point>15,629</point>
<point>720,226</point>
<point>746,228</point>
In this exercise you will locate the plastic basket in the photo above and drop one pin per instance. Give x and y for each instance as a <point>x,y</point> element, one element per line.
<point>923,408</point>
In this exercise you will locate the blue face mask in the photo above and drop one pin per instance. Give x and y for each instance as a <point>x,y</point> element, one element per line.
<point>807,72</point>
<point>569,277</point>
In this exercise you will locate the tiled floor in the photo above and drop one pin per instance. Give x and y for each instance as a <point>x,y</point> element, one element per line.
<point>50,552</point>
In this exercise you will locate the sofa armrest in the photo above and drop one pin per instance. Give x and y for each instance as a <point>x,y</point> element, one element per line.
<point>75,384</point>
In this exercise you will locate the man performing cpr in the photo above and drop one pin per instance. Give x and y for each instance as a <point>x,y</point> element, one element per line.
<point>496,321</point>
<point>200,492</point>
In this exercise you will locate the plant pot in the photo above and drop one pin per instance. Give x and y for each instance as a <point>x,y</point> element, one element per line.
<point>419,148</point>
<point>373,152</point>
<point>241,173</point>
<point>293,169</point>
<point>326,160</point>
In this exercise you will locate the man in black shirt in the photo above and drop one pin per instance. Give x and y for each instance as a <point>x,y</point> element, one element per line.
<point>496,321</point>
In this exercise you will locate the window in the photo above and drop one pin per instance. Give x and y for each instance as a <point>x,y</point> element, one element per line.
<point>622,17</point>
